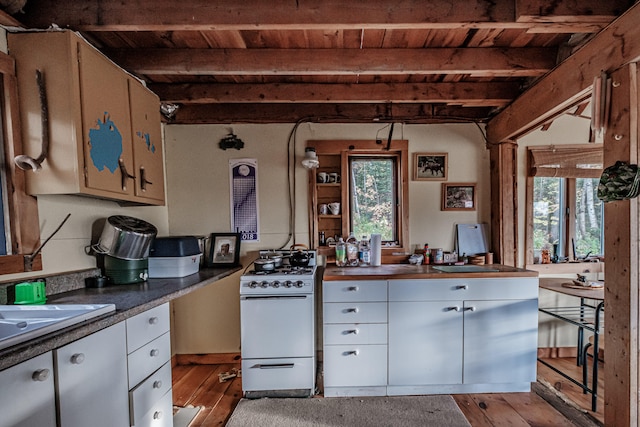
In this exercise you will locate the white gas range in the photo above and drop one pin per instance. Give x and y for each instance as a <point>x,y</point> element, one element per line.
<point>277,313</point>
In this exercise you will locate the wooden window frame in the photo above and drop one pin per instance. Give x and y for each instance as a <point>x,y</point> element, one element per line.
<point>567,156</point>
<point>344,148</point>
<point>24,227</point>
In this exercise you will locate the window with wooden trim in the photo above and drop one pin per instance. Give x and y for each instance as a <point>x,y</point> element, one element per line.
<point>20,228</point>
<point>564,216</point>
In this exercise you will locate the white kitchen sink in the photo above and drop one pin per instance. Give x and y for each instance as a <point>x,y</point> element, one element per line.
<point>20,323</point>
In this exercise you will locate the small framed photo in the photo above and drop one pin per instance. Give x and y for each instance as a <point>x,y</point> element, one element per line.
<point>459,196</point>
<point>225,250</point>
<point>430,166</point>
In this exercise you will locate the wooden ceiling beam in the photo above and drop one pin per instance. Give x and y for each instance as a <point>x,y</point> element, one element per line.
<point>511,62</point>
<point>326,113</point>
<point>196,15</point>
<point>476,94</point>
<point>569,84</point>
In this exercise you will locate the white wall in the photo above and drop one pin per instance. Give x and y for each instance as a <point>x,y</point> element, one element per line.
<point>207,321</point>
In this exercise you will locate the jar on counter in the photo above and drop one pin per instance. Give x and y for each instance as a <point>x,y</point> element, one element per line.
<point>438,255</point>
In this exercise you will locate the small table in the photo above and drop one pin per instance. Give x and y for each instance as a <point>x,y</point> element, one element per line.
<point>585,316</point>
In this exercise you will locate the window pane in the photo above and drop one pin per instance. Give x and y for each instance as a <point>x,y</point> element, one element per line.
<point>589,226</point>
<point>373,195</point>
<point>547,208</point>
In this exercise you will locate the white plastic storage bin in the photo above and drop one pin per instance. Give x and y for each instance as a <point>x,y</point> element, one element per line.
<point>173,266</point>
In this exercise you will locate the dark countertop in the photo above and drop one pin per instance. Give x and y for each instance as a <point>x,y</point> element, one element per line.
<point>129,301</point>
<point>408,271</point>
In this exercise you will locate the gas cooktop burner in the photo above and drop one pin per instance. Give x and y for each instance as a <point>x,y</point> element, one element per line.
<point>286,270</point>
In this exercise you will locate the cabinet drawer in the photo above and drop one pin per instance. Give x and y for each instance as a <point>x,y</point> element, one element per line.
<point>355,312</point>
<point>267,374</point>
<point>161,414</point>
<point>147,326</point>
<point>146,394</point>
<point>463,289</point>
<point>355,365</point>
<point>354,290</point>
<point>148,359</point>
<point>363,333</point>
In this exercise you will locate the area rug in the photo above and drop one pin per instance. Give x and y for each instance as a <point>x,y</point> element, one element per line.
<point>436,411</point>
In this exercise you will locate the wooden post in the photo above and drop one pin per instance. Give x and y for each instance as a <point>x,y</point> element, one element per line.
<point>504,202</point>
<point>622,256</point>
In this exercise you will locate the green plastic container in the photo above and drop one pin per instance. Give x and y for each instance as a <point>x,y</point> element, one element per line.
<point>30,293</point>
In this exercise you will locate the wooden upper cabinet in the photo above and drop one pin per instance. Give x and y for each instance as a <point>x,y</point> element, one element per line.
<point>104,125</point>
<point>146,137</point>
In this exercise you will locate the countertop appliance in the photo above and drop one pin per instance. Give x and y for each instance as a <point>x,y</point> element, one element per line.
<point>277,327</point>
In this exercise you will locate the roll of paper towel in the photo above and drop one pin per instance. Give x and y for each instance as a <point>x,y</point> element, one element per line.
<point>376,249</point>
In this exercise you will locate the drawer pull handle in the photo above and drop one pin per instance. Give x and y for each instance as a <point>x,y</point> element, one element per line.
<point>353,310</point>
<point>153,320</point>
<point>40,375</point>
<point>157,415</point>
<point>464,287</point>
<point>77,358</point>
<point>276,366</point>
<point>352,331</point>
<point>352,353</point>
<point>454,308</point>
<point>472,308</point>
<point>157,384</point>
<point>353,289</point>
<point>154,353</point>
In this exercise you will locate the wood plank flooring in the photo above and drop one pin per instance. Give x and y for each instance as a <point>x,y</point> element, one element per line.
<point>563,404</point>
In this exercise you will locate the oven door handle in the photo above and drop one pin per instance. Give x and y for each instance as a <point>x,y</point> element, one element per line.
<point>274,297</point>
<point>275,366</point>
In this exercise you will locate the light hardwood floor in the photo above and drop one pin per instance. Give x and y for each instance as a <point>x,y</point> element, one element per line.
<point>563,404</point>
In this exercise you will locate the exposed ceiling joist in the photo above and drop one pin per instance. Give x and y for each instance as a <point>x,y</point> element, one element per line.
<point>569,84</point>
<point>195,15</point>
<point>529,62</point>
<point>469,94</point>
<point>330,113</point>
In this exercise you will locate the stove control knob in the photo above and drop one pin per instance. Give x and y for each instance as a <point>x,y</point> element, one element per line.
<point>253,284</point>
<point>287,284</point>
<point>264,284</point>
<point>298,284</point>
<point>275,284</point>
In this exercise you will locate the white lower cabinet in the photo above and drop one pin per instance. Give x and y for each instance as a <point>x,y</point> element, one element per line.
<point>355,338</point>
<point>430,336</point>
<point>465,336</point>
<point>27,395</point>
<point>149,366</point>
<point>91,378</point>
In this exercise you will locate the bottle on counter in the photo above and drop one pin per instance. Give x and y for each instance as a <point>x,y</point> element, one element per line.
<point>352,251</point>
<point>364,252</point>
<point>341,253</point>
<point>427,254</point>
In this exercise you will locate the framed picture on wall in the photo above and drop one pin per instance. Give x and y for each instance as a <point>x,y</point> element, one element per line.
<point>459,196</point>
<point>225,250</point>
<point>430,166</point>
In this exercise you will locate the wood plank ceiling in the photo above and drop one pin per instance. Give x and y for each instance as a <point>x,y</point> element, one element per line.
<point>256,61</point>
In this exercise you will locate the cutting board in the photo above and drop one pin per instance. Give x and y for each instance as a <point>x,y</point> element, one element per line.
<point>472,239</point>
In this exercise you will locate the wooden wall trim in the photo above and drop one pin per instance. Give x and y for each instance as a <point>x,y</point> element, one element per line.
<point>622,255</point>
<point>504,203</point>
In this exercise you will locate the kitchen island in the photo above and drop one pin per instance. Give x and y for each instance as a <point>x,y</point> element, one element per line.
<point>407,329</point>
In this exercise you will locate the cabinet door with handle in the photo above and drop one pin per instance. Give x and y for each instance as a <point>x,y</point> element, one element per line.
<point>27,396</point>
<point>147,143</point>
<point>104,95</point>
<point>92,380</point>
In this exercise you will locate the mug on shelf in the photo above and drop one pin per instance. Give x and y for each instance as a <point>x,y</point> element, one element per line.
<point>323,209</point>
<point>322,177</point>
<point>334,177</point>
<point>334,208</point>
